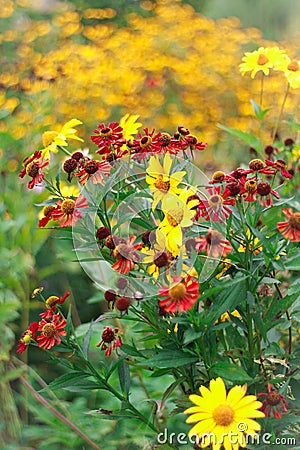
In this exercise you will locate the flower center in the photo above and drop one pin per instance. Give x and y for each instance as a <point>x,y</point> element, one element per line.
<point>293,66</point>
<point>160,259</point>
<point>122,251</point>
<point>223,415</point>
<point>32,169</point>
<point>263,188</point>
<point>106,132</point>
<point>91,166</point>
<point>213,237</point>
<point>108,335</point>
<point>234,188</point>
<point>218,176</point>
<point>68,206</point>
<point>70,165</point>
<point>273,398</point>
<point>51,301</point>
<point>295,221</point>
<point>165,139</point>
<point>250,186</point>
<point>215,201</point>
<point>175,217</point>
<point>280,164</point>
<point>161,185</point>
<point>48,210</point>
<point>177,292</point>
<point>262,60</point>
<point>48,137</point>
<point>49,330</point>
<point>27,337</point>
<point>256,164</point>
<point>145,141</point>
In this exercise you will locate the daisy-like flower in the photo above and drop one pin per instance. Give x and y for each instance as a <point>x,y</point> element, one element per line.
<point>54,139</point>
<point>46,215</point>
<point>28,336</point>
<point>51,303</point>
<point>291,69</point>
<point>215,207</point>
<point>110,340</point>
<point>32,167</point>
<point>190,141</point>
<point>179,213</point>
<point>280,166</point>
<point>147,143</point>
<point>262,59</point>
<point>161,183</point>
<point>95,170</point>
<point>126,255</point>
<point>221,415</point>
<point>181,295</point>
<point>259,166</point>
<point>213,244</point>
<point>66,210</point>
<point>169,144</point>
<point>108,137</point>
<point>249,189</point>
<point>51,331</point>
<point>290,229</point>
<point>264,190</point>
<point>274,403</point>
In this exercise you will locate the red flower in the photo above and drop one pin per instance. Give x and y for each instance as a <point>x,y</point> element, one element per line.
<point>150,142</point>
<point>110,340</point>
<point>47,211</point>
<point>280,166</point>
<point>249,189</point>
<point>51,331</point>
<point>169,144</point>
<point>180,296</point>
<point>274,403</point>
<point>291,228</point>
<point>192,142</point>
<point>214,208</point>
<point>66,210</point>
<point>213,244</point>
<point>108,138</point>
<point>259,166</point>
<point>27,337</point>
<point>32,167</point>
<point>51,303</point>
<point>264,190</point>
<point>126,255</point>
<point>94,169</point>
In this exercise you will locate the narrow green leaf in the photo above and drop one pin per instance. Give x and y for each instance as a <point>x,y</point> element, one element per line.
<point>124,377</point>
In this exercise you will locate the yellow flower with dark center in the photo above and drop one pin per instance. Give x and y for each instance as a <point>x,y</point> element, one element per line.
<point>52,139</point>
<point>262,59</point>
<point>221,415</point>
<point>179,212</point>
<point>162,184</point>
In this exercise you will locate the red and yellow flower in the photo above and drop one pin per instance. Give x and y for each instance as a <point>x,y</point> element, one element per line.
<point>290,229</point>
<point>32,167</point>
<point>181,295</point>
<point>51,331</point>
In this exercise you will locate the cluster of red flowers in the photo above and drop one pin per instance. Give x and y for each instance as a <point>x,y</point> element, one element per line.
<point>111,142</point>
<point>48,331</point>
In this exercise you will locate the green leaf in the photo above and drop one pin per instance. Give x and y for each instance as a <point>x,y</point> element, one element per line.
<point>293,263</point>
<point>73,379</point>
<point>279,305</point>
<point>260,113</point>
<point>86,341</point>
<point>170,358</point>
<point>230,372</point>
<point>124,377</point>
<point>250,139</point>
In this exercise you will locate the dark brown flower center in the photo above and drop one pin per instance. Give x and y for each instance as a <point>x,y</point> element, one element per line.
<point>160,259</point>
<point>273,398</point>
<point>122,251</point>
<point>70,165</point>
<point>68,206</point>
<point>234,188</point>
<point>256,164</point>
<point>48,210</point>
<point>32,169</point>
<point>51,301</point>
<point>49,330</point>
<point>91,166</point>
<point>213,237</point>
<point>218,176</point>
<point>280,164</point>
<point>108,335</point>
<point>263,188</point>
<point>215,201</point>
<point>165,139</point>
<point>145,141</point>
<point>106,132</point>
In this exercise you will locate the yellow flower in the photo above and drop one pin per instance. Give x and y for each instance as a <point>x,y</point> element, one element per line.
<point>130,125</point>
<point>224,418</point>
<point>291,69</point>
<point>178,214</point>
<point>262,59</point>
<point>162,184</point>
<point>225,317</point>
<point>52,139</point>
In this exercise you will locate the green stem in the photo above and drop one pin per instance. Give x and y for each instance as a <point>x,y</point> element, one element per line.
<point>281,112</point>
